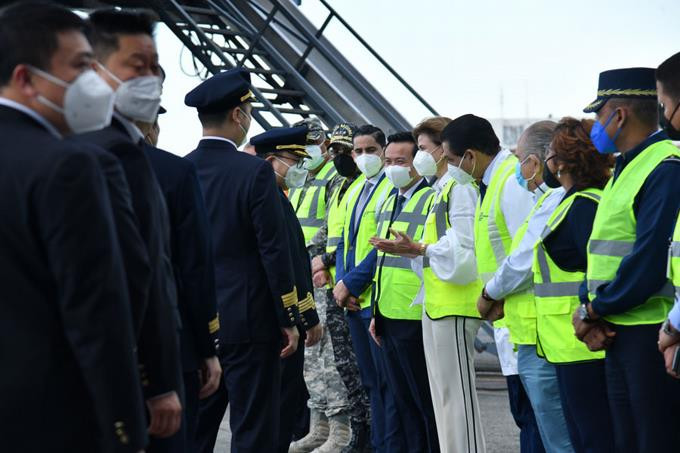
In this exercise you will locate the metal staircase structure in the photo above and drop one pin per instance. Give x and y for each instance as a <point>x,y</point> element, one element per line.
<point>296,71</point>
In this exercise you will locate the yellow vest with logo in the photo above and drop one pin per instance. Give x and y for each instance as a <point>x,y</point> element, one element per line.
<point>367,225</point>
<point>557,295</point>
<point>674,260</point>
<point>337,208</point>
<point>444,299</point>
<point>614,235</point>
<point>396,285</point>
<point>309,202</point>
<point>519,308</point>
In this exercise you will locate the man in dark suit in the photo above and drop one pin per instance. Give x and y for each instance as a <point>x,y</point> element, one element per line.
<point>256,296</point>
<point>70,381</point>
<point>195,275</point>
<point>284,149</point>
<point>124,47</point>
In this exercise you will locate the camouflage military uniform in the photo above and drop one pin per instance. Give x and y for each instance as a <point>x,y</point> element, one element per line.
<point>337,330</point>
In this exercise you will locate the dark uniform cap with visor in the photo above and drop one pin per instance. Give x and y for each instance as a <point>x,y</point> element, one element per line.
<point>342,134</point>
<point>221,92</point>
<point>633,83</point>
<point>282,139</point>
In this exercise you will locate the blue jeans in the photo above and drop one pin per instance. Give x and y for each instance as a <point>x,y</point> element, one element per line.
<point>540,381</point>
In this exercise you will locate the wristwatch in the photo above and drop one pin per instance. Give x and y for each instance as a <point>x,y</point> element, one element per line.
<point>486,296</point>
<point>583,314</point>
<point>668,329</point>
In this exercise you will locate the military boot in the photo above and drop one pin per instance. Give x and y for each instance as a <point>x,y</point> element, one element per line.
<point>360,442</point>
<point>318,433</point>
<point>339,435</point>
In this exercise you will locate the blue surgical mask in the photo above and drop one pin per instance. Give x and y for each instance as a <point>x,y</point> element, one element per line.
<point>601,140</point>
<point>521,180</point>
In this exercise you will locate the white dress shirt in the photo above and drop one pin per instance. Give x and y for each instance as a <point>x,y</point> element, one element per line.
<point>515,274</point>
<point>215,137</point>
<point>33,114</point>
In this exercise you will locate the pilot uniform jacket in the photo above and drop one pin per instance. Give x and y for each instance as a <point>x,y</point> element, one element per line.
<point>69,380</point>
<point>158,341</point>
<point>191,255</point>
<point>253,278</point>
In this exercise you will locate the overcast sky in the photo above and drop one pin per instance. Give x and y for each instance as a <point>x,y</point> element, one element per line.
<point>515,59</point>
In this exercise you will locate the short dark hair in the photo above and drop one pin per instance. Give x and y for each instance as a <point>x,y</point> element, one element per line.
<point>216,119</point>
<point>369,129</point>
<point>471,132</point>
<point>645,110</point>
<point>29,34</point>
<point>668,74</point>
<point>403,137</point>
<point>108,24</point>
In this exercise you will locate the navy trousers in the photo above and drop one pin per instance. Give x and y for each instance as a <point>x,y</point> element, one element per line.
<point>583,391</point>
<point>406,373</point>
<point>644,401</point>
<point>385,437</point>
<point>251,386</point>
<point>293,392</point>
<point>520,407</point>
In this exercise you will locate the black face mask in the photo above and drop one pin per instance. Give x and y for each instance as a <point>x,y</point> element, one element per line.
<point>666,124</point>
<point>345,165</point>
<point>549,179</point>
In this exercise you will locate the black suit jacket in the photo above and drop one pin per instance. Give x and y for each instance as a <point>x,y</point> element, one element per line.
<point>191,255</point>
<point>69,378</point>
<point>301,265</point>
<point>158,342</point>
<point>254,281</point>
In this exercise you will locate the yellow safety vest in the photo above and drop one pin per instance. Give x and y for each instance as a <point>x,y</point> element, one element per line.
<point>614,235</point>
<point>336,219</point>
<point>519,308</point>
<point>367,225</point>
<point>396,285</point>
<point>557,295</point>
<point>309,201</point>
<point>444,299</point>
<point>492,237</point>
<point>674,260</point>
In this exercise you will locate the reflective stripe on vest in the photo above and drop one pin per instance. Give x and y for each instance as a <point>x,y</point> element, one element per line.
<point>519,308</point>
<point>492,237</point>
<point>614,233</point>
<point>444,299</point>
<point>557,295</point>
<point>395,282</point>
<point>309,201</point>
<point>674,261</point>
<point>367,226</point>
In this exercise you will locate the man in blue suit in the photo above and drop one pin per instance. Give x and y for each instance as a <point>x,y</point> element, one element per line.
<point>355,266</point>
<point>256,295</point>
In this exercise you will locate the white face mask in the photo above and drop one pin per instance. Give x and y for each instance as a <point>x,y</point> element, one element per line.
<point>316,157</point>
<point>399,176</point>
<point>425,164</point>
<point>459,174</point>
<point>295,176</point>
<point>88,101</point>
<point>138,98</point>
<point>243,129</point>
<point>369,164</point>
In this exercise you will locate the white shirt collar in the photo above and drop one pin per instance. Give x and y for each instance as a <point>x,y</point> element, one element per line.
<point>215,137</point>
<point>375,178</point>
<point>33,114</point>
<point>495,162</point>
<point>131,128</point>
<point>409,193</point>
<point>439,184</point>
